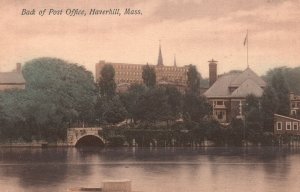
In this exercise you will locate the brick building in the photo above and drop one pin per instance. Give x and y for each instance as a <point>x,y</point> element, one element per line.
<point>286,125</point>
<point>13,79</point>
<point>227,93</point>
<point>127,74</point>
<point>295,105</point>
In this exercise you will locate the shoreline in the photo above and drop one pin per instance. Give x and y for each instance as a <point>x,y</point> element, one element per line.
<point>65,145</point>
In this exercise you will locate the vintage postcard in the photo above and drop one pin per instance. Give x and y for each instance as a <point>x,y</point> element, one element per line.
<point>149,95</point>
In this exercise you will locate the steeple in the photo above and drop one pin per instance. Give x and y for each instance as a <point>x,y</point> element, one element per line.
<point>175,65</point>
<point>160,59</point>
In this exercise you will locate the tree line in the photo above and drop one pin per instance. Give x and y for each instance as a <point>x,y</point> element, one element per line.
<point>60,95</point>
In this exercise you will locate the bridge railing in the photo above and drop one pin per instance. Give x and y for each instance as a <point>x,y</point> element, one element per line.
<point>85,128</point>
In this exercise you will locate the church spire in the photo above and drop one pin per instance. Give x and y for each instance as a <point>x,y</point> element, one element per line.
<point>160,59</point>
<point>175,65</point>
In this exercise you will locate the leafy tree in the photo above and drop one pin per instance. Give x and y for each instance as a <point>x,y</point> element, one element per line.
<point>69,86</point>
<point>149,76</point>
<point>153,106</point>
<point>292,76</point>
<point>282,91</point>
<point>195,108</point>
<point>253,122</point>
<point>236,132</point>
<point>269,104</point>
<point>130,99</point>
<point>193,80</point>
<point>174,101</point>
<point>107,85</point>
<point>113,110</point>
<point>58,94</point>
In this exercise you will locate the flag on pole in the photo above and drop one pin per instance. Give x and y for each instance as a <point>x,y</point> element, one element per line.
<point>246,39</point>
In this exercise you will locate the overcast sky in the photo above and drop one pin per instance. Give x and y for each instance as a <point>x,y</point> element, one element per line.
<point>195,30</point>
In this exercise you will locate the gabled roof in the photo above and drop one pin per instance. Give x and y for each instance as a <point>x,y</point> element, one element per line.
<point>247,74</point>
<point>238,84</point>
<point>286,117</point>
<point>221,87</point>
<point>11,78</point>
<point>247,88</point>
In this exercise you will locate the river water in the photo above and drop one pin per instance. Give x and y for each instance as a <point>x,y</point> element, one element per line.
<point>152,170</point>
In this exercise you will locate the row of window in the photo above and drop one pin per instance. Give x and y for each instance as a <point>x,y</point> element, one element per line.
<point>295,104</point>
<point>128,67</point>
<point>129,81</point>
<point>170,75</point>
<point>289,125</point>
<point>141,66</point>
<point>128,73</point>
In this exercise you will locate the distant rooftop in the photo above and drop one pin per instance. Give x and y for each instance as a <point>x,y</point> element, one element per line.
<point>11,78</point>
<point>238,84</point>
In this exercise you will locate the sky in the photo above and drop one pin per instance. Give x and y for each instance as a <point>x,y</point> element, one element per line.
<point>194,30</point>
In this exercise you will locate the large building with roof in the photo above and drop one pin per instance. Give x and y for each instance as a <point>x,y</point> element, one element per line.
<point>13,79</point>
<point>127,74</point>
<point>227,93</point>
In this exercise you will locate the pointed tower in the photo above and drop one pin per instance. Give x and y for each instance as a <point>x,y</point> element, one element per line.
<point>160,59</point>
<point>175,64</point>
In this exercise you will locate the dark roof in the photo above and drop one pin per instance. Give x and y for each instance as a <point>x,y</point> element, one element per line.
<point>11,78</point>
<point>221,87</point>
<point>244,83</point>
<point>246,88</point>
<point>291,118</point>
<point>247,74</point>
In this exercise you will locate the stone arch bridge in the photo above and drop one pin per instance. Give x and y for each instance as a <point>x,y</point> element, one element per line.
<point>85,136</point>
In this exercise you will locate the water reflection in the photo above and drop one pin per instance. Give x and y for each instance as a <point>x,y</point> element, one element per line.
<point>159,169</point>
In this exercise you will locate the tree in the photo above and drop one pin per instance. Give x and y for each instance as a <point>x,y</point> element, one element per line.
<point>282,91</point>
<point>269,104</point>
<point>292,76</point>
<point>236,132</point>
<point>130,99</point>
<point>153,106</point>
<point>253,121</point>
<point>174,102</point>
<point>195,108</point>
<point>149,76</point>
<point>193,80</point>
<point>57,95</point>
<point>107,85</point>
<point>113,110</point>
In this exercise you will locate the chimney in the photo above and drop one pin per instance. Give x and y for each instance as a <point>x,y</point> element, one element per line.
<point>19,68</point>
<point>213,75</point>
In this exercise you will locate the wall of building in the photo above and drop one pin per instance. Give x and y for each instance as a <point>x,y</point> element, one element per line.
<point>132,73</point>
<point>295,105</point>
<point>286,125</point>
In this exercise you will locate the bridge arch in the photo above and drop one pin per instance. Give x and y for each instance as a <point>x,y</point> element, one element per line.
<point>90,140</point>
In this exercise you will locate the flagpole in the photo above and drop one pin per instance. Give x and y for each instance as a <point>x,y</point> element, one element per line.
<point>247,49</point>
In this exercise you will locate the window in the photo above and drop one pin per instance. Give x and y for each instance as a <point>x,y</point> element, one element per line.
<point>220,103</point>
<point>293,112</point>
<point>279,125</point>
<point>288,126</point>
<point>295,125</point>
<point>220,115</point>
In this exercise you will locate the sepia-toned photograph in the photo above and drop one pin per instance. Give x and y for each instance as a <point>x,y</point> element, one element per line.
<point>149,95</point>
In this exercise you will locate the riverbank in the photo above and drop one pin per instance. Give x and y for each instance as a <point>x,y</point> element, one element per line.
<point>40,144</point>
